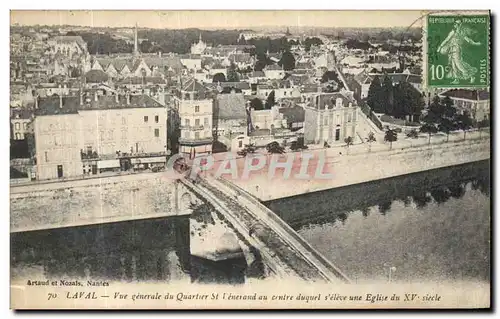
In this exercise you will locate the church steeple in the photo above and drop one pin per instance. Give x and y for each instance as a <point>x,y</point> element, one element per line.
<point>136,41</point>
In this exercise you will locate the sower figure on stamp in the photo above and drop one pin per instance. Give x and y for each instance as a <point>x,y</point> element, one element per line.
<point>452,46</point>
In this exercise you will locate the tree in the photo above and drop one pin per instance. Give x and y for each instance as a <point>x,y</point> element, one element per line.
<point>464,122</point>
<point>275,148</point>
<point>482,124</point>
<point>348,141</point>
<point>312,41</point>
<point>146,46</point>
<point>219,77</point>
<point>390,136</point>
<point>446,126</point>
<point>248,149</point>
<point>287,61</point>
<point>232,74</point>
<point>370,139</point>
<point>374,98</point>
<point>429,128</point>
<point>330,76</point>
<point>388,95</point>
<point>408,101</point>
<point>257,104</point>
<point>262,61</point>
<point>412,134</point>
<point>271,101</point>
<point>298,144</point>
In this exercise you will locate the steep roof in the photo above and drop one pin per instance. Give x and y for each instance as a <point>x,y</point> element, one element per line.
<point>273,67</point>
<point>191,85</point>
<point>69,39</point>
<point>164,61</point>
<point>71,104</point>
<point>293,114</point>
<point>230,106</point>
<point>363,77</point>
<point>467,94</point>
<point>140,80</point>
<point>328,100</point>
<point>96,76</point>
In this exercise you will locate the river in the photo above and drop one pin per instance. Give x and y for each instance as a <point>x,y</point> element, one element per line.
<point>433,225</point>
<point>429,226</point>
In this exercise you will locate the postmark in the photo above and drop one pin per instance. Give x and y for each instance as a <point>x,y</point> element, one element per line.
<point>457,49</point>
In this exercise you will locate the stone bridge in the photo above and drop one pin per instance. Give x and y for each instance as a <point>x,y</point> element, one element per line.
<point>44,206</point>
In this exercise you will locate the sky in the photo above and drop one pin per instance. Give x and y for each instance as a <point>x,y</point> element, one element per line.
<point>217,19</point>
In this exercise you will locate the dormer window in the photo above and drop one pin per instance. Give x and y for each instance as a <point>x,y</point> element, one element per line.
<point>339,102</point>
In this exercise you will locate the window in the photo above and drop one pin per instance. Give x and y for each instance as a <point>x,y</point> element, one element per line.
<point>18,126</point>
<point>157,132</point>
<point>157,118</point>
<point>240,143</point>
<point>46,157</point>
<point>349,119</point>
<point>197,108</point>
<point>145,119</point>
<point>197,135</point>
<point>124,120</point>
<point>325,120</point>
<point>284,93</point>
<point>25,125</point>
<point>197,122</point>
<point>18,136</point>
<point>187,122</point>
<point>206,121</point>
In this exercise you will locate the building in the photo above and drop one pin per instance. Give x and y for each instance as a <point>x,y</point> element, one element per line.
<point>194,107</point>
<point>330,118</point>
<point>192,62</point>
<point>230,117</point>
<point>475,102</point>
<point>274,71</point>
<point>67,45</point>
<point>90,134</point>
<point>20,120</point>
<point>198,48</point>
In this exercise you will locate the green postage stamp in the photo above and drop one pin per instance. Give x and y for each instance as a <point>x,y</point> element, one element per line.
<point>458,51</point>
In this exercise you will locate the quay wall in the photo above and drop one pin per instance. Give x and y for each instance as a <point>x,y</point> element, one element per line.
<point>350,169</point>
<point>98,201</point>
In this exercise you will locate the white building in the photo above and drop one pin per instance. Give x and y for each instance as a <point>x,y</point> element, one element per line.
<point>195,112</point>
<point>330,117</point>
<point>90,134</point>
<point>475,102</point>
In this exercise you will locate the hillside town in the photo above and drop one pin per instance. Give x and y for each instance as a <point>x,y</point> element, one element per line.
<point>77,110</point>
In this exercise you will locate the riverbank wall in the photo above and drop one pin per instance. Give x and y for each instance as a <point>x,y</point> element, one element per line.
<point>96,201</point>
<point>349,169</point>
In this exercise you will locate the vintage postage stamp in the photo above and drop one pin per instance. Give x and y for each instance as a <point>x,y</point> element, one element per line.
<point>458,51</point>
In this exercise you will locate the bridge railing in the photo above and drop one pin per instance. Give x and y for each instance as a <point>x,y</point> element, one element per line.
<point>306,247</point>
<point>273,264</point>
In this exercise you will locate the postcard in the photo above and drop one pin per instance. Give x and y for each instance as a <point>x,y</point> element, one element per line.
<point>250,159</point>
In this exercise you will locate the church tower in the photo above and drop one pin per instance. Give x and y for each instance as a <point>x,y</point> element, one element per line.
<point>136,42</point>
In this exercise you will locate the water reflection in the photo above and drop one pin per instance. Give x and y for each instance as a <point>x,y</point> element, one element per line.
<point>143,250</point>
<point>430,226</point>
<point>421,189</point>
